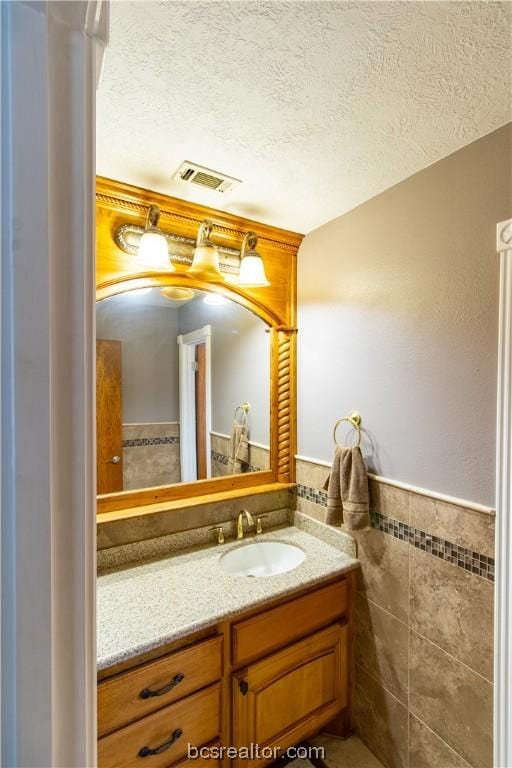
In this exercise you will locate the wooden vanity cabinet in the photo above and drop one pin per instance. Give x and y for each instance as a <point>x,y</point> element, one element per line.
<point>162,738</point>
<point>125,698</point>
<point>272,677</point>
<point>290,695</point>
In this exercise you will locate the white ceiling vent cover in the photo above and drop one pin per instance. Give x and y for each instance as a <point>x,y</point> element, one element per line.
<point>205,177</point>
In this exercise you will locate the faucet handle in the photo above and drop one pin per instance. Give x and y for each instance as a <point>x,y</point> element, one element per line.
<point>220,533</point>
<point>259,528</point>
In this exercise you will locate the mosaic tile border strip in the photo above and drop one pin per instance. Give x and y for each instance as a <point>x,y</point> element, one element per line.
<point>220,457</point>
<point>139,441</point>
<point>312,494</point>
<point>223,459</point>
<point>473,562</point>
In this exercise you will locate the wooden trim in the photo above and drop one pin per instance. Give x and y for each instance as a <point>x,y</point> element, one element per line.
<point>166,493</point>
<point>114,194</point>
<point>123,283</point>
<point>109,515</point>
<point>283,439</point>
<point>117,272</point>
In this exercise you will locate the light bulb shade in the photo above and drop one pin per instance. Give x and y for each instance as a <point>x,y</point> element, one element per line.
<point>153,250</point>
<point>205,264</point>
<point>175,293</point>
<point>252,271</point>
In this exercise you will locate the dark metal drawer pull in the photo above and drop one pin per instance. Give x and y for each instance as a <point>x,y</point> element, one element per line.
<point>147,693</point>
<point>147,751</point>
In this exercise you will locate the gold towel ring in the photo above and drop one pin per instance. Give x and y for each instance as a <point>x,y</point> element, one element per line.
<point>354,419</point>
<point>245,408</point>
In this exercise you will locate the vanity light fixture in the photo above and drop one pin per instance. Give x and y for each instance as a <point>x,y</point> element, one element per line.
<point>252,270</point>
<point>153,245</point>
<point>205,263</point>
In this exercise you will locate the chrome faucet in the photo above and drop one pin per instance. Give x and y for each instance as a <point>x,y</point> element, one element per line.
<point>240,522</point>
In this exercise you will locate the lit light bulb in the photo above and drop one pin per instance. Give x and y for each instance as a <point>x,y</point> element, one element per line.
<point>205,263</point>
<point>252,270</point>
<point>153,245</point>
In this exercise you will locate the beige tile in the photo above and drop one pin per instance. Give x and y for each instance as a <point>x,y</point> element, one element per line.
<point>259,457</point>
<point>312,475</point>
<point>219,444</point>
<point>384,574</point>
<point>146,466</point>
<point>451,700</point>
<point>346,753</point>
<point>454,609</point>
<point>218,468</point>
<point>156,429</point>
<point>426,750</point>
<point>317,511</point>
<point>389,501</point>
<point>381,721</point>
<point>460,525</point>
<point>382,646</point>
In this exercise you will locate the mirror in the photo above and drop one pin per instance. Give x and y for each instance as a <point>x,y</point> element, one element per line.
<point>183,388</point>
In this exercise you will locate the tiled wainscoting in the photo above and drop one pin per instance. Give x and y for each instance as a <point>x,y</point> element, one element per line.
<point>151,454</point>
<point>259,458</point>
<point>424,618</point>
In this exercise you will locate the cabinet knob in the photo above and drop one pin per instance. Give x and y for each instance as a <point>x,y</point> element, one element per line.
<point>114,460</point>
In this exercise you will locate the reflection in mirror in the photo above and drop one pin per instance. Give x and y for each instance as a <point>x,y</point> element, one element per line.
<point>183,388</point>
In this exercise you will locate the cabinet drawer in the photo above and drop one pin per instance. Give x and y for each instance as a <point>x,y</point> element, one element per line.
<point>197,718</point>
<point>279,626</point>
<point>132,695</point>
<point>292,694</point>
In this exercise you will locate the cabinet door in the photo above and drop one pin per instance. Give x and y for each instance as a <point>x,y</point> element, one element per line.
<point>290,695</point>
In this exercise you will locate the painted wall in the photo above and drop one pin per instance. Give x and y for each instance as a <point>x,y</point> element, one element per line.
<point>150,367</point>
<point>150,359</point>
<point>398,303</point>
<point>240,363</point>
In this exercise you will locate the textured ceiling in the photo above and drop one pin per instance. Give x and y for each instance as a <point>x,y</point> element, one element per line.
<point>316,106</point>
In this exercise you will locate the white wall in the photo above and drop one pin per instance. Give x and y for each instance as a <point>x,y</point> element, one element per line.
<point>48,482</point>
<point>149,356</point>
<point>398,305</point>
<point>240,364</point>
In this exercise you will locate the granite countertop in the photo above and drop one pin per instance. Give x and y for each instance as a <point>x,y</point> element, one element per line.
<point>144,606</point>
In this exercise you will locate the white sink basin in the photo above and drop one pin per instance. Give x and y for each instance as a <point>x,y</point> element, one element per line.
<point>262,558</point>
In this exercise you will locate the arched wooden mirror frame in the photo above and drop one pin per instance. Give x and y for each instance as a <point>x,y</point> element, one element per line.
<point>118,203</point>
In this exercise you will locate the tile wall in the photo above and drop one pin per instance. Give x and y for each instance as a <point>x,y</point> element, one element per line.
<point>151,454</point>
<point>424,619</point>
<point>259,457</point>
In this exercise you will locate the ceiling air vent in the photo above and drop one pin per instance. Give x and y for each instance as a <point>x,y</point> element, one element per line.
<point>205,177</point>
